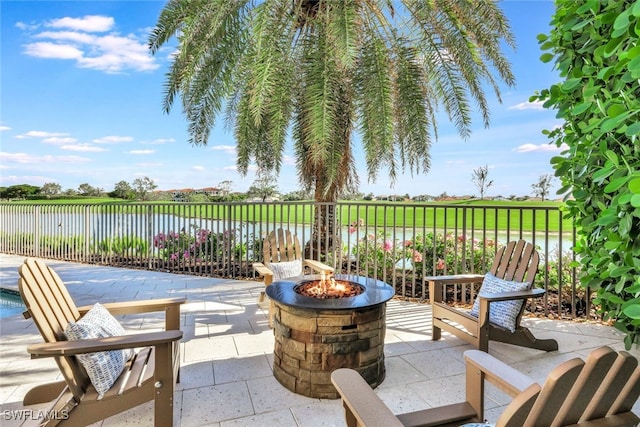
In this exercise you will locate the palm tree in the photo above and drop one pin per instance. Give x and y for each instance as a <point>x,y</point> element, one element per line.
<point>326,69</point>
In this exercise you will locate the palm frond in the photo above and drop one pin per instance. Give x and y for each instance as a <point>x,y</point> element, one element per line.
<point>323,67</point>
<point>412,115</point>
<point>375,104</point>
<point>342,31</point>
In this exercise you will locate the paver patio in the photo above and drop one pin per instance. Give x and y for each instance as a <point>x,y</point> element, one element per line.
<point>227,352</point>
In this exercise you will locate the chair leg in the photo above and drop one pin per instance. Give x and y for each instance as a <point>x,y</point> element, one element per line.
<point>524,338</point>
<point>272,310</point>
<point>434,297</point>
<point>164,387</point>
<point>436,333</point>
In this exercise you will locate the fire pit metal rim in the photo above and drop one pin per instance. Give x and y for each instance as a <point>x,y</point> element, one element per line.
<point>376,292</point>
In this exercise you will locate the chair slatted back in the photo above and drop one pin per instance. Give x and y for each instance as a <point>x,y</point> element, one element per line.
<point>587,385</point>
<point>51,308</point>
<point>516,414</point>
<point>604,398</point>
<point>554,390</point>
<point>628,396</point>
<point>281,245</point>
<point>607,383</point>
<point>517,261</point>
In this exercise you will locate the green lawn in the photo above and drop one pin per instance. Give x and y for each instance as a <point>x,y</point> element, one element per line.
<point>500,215</point>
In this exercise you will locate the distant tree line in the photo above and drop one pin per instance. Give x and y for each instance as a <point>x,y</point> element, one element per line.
<point>263,188</point>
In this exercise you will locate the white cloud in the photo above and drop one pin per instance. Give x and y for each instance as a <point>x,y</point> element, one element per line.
<point>2,128</point>
<point>198,168</point>
<point>118,54</point>
<point>41,134</point>
<point>24,158</point>
<point>141,152</point>
<point>59,140</point>
<point>288,160</point>
<point>71,36</point>
<point>159,141</point>
<point>87,148</point>
<point>150,165</point>
<point>26,27</point>
<point>536,105</point>
<point>52,51</point>
<point>113,139</point>
<point>234,168</point>
<point>229,149</point>
<point>109,52</point>
<point>15,179</point>
<point>89,23</point>
<point>540,148</point>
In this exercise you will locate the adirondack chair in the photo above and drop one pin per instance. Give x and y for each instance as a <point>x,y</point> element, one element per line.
<point>282,258</point>
<point>149,375</point>
<point>597,392</point>
<point>513,271</point>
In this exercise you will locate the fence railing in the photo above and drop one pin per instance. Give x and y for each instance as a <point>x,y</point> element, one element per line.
<point>399,243</point>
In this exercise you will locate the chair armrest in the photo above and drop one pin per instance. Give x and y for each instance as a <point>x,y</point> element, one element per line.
<point>70,348</point>
<point>360,401</point>
<point>318,266</point>
<point>135,307</point>
<point>503,376</point>
<point>455,279</point>
<point>262,269</point>
<point>506,296</point>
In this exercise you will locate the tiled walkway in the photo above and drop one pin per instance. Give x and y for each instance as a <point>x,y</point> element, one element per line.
<point>227,352</point>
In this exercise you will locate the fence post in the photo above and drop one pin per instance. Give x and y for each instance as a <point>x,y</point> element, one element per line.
<point>36,231</point>
<point>150,234</point>
<point>87,233</point>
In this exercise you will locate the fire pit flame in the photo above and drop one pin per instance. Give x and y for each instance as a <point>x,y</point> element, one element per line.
<point>328,287</point>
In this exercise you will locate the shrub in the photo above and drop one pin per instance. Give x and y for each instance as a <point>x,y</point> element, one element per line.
<point>446,254</point>
<point>595,47</point>
<point>426,254</point>
<point>200,245</point>
<point>123,246</point>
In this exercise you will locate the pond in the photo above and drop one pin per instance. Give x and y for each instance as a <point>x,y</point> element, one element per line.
<point>10,303</point>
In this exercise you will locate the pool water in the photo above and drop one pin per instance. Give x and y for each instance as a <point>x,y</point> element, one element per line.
<point>10,303</point>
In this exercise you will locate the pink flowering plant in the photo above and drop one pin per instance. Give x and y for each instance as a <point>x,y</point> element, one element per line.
<point>198,245</point>
<point>442,254</point>
<point>379,255</point>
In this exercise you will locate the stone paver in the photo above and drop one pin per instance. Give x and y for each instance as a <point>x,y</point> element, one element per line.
<point>227,352</point>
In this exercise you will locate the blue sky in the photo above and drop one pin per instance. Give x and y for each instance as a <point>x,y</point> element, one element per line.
<point>81,102</point>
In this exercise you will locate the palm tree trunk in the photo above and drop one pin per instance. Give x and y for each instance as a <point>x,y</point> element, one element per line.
<point>325,234</point>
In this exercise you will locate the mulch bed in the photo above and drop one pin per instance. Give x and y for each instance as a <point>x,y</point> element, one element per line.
<point>555,307</point>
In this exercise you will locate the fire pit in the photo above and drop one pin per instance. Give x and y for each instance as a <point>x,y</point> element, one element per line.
<point>325,323</point>
<point>328,287</point>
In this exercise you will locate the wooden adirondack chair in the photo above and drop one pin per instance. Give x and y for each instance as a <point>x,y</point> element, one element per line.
<point>518,262</point>
<point>597,393</point>
<point>280,247</point>
<point>149,375</point>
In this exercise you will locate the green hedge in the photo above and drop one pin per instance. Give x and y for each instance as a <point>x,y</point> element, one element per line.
<point>596,50</point>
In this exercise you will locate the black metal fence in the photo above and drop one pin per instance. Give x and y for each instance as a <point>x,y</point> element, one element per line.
<point>399,243</point>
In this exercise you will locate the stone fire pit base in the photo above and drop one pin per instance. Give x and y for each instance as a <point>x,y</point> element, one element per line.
<point>311,343</point>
